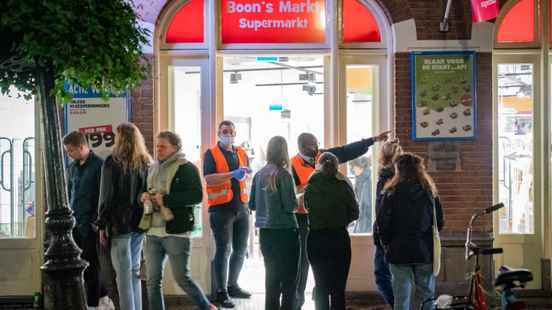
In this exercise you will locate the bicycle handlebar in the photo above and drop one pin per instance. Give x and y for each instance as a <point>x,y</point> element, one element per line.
<point>493,208</point>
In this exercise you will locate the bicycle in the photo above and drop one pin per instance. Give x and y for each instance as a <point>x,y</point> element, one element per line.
<point>506,281</point>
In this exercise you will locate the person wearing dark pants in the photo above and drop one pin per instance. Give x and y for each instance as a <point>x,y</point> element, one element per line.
<point>83,180</point>
<point>330,257</point>
<point>226,170</point>
<point>332,205</point>
<point>390,151</point>
<point>273,200</point>
<point>303,165</point>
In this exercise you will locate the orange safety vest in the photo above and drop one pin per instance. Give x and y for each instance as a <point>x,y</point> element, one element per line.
<point>222,193</point>
<point>303,171</point>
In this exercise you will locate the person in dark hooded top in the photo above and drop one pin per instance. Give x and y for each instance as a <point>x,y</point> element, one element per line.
<point>405,228</point>
<point>390,150</point>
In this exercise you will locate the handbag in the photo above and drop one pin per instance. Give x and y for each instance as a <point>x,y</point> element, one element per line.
<point>436,242</point>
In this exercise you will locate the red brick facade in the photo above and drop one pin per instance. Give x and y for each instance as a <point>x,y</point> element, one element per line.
<point>461,192</point>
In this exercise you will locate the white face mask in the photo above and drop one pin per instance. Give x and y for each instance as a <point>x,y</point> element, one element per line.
<point>306,158</point>
<point>226,140</point>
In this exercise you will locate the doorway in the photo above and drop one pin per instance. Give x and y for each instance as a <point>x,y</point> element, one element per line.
<point>265,96</point>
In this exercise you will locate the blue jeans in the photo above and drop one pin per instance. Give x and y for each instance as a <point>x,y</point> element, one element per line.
<point>231,231</point>
<point>125,256</point>
<point>178,250</point>
<point>382,275</point>
<point>404,277</point>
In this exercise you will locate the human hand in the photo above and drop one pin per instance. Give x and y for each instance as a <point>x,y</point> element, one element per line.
<point>382,136</point>
<point>239,174</point>
<point>144,197</point>
<point>158,198</point>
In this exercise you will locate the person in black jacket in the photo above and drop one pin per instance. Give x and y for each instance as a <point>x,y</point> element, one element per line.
<point>177,187</point>
<point>123,181</point>
<point>390,150</point>
<point>405,228</point>
<point>332,206</point>
<point>83,188</point>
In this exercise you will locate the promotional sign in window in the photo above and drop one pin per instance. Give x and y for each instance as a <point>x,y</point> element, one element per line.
<point>96,117</point>
<point>443,95</point>
<point>273,21</point>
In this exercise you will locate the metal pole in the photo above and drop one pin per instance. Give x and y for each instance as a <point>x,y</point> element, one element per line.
<point>63,267</point>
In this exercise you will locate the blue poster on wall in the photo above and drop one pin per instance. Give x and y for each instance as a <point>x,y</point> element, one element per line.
<point>444,101</point>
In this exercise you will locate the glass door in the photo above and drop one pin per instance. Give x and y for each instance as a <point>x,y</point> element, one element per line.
<point>266,96</point>
<point>517,162</point>
<point>362,113</point>
<point>188,97</point>
<point>21,238</point>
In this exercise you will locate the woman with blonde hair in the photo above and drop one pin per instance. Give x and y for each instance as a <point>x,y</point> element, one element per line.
<point>389,152</point>
<point>274,202</point>
<point>405,223</point>
<point>123,180</point>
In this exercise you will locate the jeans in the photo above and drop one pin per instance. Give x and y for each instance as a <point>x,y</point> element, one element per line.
<point>92,280</point>
<point>303,272</point>
<point>406,276</point>
<point>178,250</point>
<point>231,231</point>
<point>280,248</point>
<point>330,257</point>
<point>125,256</point>
<point>382,275</point>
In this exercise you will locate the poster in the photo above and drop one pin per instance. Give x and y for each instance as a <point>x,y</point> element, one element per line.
<point>96,117</point>
<point>483,10</point>
<point>443,95</point>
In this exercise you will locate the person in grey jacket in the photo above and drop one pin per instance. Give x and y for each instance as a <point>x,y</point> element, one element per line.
<point>274,202</point>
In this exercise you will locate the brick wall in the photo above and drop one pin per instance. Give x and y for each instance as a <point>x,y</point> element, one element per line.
<point>461,192</point>
<point>142,108</point>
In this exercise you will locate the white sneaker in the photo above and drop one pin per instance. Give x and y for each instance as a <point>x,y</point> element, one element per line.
<point>106,304</point>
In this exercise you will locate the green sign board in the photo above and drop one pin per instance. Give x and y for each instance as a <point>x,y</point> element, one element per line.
<point>443,95</point>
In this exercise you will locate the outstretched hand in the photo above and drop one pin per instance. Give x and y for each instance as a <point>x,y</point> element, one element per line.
<point>382,136</point>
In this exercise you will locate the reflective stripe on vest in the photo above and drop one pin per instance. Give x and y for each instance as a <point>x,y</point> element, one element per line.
<point>222,193</point>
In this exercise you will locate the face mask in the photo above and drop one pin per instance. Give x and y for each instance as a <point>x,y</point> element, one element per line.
<point>226,140</point>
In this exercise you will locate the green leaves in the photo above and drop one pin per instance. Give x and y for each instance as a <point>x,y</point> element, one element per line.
<point>92,43</point>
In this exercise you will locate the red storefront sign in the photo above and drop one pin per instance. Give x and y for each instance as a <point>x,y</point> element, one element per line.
<point>273,21</point>
<point>483,10</point>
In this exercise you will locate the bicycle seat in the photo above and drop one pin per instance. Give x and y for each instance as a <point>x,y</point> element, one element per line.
<point>510,275</point>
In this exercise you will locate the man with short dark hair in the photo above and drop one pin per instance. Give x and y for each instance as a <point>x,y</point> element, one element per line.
<point>302,166</point>
<point>226,170</point>
<point>83,185</point>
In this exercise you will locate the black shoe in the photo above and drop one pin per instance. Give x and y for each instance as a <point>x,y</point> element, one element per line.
<point>223,300</point>
<point>238,292</point>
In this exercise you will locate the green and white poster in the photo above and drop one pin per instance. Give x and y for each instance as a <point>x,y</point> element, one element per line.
<point>443,95</point>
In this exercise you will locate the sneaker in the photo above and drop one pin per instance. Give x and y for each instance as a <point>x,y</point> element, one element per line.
<point>238,292</point>
<point>223,300</point>
<point>106,304</point>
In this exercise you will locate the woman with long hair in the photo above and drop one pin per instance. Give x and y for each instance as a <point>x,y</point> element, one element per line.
<point>332,205</point>
<point>405,222</point>
<point>274,202</point>
<point>390,151</point>
<point>123,180</point>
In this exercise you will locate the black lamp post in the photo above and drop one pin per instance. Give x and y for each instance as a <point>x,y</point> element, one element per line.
<point>63,268</point>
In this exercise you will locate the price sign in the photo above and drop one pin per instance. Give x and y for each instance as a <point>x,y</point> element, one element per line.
<point>95,117</point>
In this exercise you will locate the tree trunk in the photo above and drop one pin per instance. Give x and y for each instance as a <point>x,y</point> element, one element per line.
<point>63,268</point>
